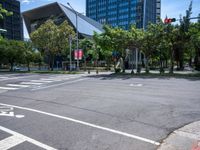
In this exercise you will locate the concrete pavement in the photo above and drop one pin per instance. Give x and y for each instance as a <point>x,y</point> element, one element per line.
<point>185,138</point>
<point>95,112</point>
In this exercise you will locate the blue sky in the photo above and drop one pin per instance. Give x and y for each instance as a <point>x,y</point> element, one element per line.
<point>171,8</point>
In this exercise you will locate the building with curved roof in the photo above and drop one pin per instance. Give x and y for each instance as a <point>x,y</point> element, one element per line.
<point>58,12</point>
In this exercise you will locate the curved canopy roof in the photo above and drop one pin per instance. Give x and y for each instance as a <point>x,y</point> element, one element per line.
<point>86,26</point>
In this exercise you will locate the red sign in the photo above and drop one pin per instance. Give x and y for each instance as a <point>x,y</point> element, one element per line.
<point>78,54</point>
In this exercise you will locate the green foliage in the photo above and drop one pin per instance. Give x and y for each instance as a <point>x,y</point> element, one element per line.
<point>51,39</point>
<point>4,12</point>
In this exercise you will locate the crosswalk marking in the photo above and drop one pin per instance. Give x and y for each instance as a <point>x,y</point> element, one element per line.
<point>26,84</point>
<point>8,88</point>
<point>18,85</point>
<point>18,138</point>
<point>10,142</point>
<point>50,79</point>
<point>31,83</point>
<point>45,81</point>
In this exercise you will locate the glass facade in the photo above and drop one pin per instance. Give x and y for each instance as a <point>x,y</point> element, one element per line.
<point>59,13</point>
<point>13,24</point>
<point>123,13</point>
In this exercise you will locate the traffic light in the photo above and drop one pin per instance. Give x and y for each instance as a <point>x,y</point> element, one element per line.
<point>169,20</point>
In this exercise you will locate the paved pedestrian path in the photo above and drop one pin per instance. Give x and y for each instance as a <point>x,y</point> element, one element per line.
<point>185,138</point>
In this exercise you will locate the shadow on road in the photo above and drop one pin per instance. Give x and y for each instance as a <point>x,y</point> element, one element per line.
<point>126,76</point>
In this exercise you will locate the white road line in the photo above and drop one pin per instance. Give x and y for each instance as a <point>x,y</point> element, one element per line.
<point>50,79</point>
<point>45,81</point>
<point>45,87</point>
<point>12,78</point>
<point>18,85</point>
<point>17,137</point>
<point>87,124</point>
<point>10,142</point>
<point>31,83</point>
<point>8,88</point>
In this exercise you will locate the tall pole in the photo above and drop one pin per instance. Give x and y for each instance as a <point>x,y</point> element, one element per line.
<point>70,57</point>
<point>77,43</point>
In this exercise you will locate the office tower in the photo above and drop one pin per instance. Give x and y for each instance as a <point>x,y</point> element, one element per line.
<point>12,24</point>
<point>124,13</point>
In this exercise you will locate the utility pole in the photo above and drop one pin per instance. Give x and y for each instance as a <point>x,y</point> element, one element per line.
<point>77,42</point>
<point>70,57</point>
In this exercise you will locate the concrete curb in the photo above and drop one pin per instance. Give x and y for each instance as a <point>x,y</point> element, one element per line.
<point>185,138</point>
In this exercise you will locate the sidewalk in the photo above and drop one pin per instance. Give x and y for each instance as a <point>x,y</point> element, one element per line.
<point>186,138</point>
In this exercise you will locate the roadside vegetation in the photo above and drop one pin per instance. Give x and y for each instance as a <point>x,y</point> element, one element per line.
<point>164,47</point>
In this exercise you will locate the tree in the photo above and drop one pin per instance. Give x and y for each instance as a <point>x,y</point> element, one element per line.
<point>28,53</point>
<point>51,39</point>
<point>183,38</point>
<point>194,32</point>
<point>38,59</point>
<point>87,45</point>
<point>3,46</point>
<point>148,46</point>
<point>65,31</point>
<point>14,52</point>
<point>106,46</point>
<point>135,41</point>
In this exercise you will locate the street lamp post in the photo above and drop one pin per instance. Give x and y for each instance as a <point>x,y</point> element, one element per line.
<point>70,57</point>
<point>77,43</point>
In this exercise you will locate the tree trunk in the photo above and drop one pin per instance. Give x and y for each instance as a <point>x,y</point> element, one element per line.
<point>85,65</point>
<point>11,66</point>
<point>39,66</point>
<point>51,62</point>
<point>28,65</point>
<point>123,65</point>
<point>108,64</point>
<point>172,62</point>
<point>147,65</point>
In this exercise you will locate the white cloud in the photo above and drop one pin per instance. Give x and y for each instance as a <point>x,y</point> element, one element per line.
<point>26,1</point>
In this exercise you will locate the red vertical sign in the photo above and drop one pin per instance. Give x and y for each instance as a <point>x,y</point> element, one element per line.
<point>78,54</point>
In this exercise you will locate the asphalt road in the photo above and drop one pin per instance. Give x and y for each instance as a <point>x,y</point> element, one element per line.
<point>79,112</point>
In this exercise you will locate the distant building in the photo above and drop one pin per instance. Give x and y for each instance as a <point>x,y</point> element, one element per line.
<point>59,13</point>
<point>13,24</point>
<point>123,13</point>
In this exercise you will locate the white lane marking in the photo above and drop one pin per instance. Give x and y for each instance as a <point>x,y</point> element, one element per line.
<point>136,85</point>
<point>11,142</point>
<point>31,83</point>
<point>187,134</point>
<point>18,85</point>
<point>8,88</point>
<point>50,79</point>
<point>45,81</point>
<point>21,137</point>
<point>86,124</point>
<point>12,78</point>
<point>19,116</point>
<point>39,88</point>
<point>7,114</point>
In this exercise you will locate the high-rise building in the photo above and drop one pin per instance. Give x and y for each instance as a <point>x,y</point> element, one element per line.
<point>13,24</point>
<point>123,13</point>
